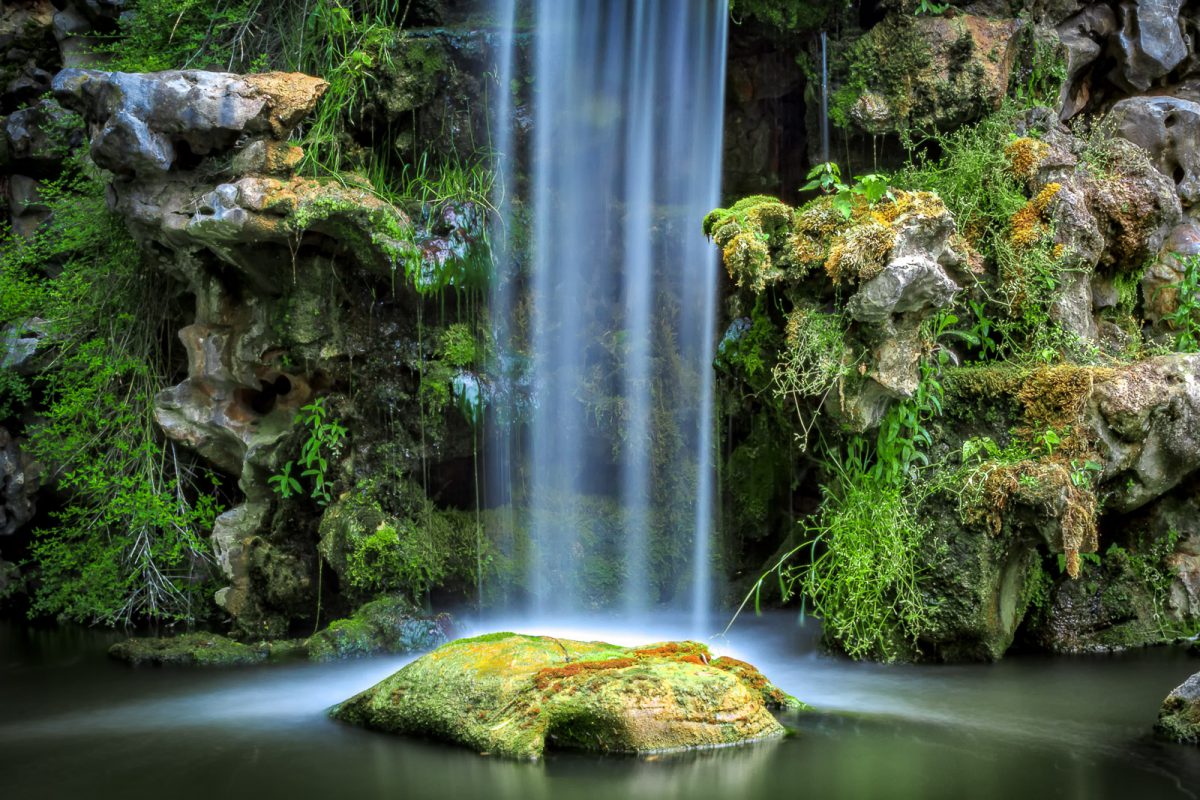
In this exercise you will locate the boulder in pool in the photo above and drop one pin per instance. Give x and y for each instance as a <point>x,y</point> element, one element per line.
<point>511,695</point>
<point>1179,717</point>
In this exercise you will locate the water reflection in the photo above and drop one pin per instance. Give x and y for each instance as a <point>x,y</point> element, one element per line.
<point>73,724</point>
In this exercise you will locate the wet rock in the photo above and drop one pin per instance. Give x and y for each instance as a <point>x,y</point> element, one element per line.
<point>1149,43</point>
<point>1084,35</point>
<point>203,649</point>
<point>513,695</point>
<point>1179,717</point>
<point>145,123</point>
<point>1168,129</point>
<point>390,625</point>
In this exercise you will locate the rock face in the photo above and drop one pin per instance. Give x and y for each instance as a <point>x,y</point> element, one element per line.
<point>927,72</point>
<point>1147,418</point>
<point>1179,717</point>
<point>512,695</point>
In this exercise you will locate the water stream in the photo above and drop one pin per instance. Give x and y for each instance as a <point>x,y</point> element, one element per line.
<point>76,724</point>
<point>623,162</point>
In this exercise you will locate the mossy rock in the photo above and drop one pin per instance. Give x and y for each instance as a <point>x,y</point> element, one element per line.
<point>1179,717</point>
<point>205,649</point>
<point>509,694</point>
<point>388,625</point>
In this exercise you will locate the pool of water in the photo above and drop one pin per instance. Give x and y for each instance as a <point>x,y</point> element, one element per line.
<point>75,724</point>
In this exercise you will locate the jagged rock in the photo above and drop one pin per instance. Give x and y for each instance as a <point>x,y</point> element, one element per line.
<point>1149,43</point>
<point>1084,35</point>
<point>1168,128</point>
<point>512,695</point>
<point>390,625</point>
<point>1146,419</point>
<point>20,478</point>
<point>27,47</point>
<point>144,123</point>
<point>906,285</point>
<point>1179,716</point>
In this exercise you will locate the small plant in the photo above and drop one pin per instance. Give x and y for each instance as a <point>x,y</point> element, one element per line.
<point>827,178</point>
<point>1184,319</point>
<point>929,8</point>
<point>1084,473</point>
<point>325,441</point>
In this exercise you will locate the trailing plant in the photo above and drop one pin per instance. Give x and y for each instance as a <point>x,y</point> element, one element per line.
<point>326,438</point>
<point>130,538</point>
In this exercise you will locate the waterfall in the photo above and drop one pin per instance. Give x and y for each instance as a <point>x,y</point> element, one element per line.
<point>622,162</point>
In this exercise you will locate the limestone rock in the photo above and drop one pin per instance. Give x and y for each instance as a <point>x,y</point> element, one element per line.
<point>512,695</point>
<point>1149,43</point>
<point>1168,129</point>
<point>1146,419</point>
<point>1167,271</point>
<point>1179,717</point>
<point>145,123</point>
<point>40,137</point>
<point>1084,35</point>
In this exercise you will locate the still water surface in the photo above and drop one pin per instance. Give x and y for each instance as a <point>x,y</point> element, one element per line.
<point>74,724</point>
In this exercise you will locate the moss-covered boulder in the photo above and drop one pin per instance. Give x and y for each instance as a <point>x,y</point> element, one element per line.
<point>207,649</point>
<point>387,625</point>
<point>1179,717</point>
<point>509,694</point>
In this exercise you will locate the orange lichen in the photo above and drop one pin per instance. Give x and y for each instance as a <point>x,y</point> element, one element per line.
<point>552,675</point>
<point>1025,155</point>
<point>1025,228</point>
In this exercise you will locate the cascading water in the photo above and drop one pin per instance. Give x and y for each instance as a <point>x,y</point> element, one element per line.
<point>623,162</point>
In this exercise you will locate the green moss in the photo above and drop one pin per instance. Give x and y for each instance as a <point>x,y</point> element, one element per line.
<point>387,625</point>
<point>511,695</point>
<point>202,649</point>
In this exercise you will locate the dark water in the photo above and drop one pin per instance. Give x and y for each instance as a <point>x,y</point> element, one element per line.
<point>75,725</point>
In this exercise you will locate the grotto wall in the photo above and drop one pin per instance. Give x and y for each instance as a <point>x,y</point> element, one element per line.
<point>1036,419</point>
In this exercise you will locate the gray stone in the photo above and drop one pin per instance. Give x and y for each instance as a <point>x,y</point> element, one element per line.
<point>906,285</point>
<point>1149,43</point>
<point>1084,36</point>
<point>1168,129</point>
<point>1146,420</point>
<point>146,120</point>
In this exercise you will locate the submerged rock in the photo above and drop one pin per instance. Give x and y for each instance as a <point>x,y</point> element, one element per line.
<point>1179,717</point>
<point>510,694</point>
<point>207,649</point>
<point>387,625</point>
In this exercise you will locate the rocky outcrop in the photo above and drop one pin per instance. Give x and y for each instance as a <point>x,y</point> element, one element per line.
<point>925,73</point>
<point>1179,717</point>
<point>1168,129</point>
<point>1146,419</point>
<point>256,250</point>
<point>513,695</point>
